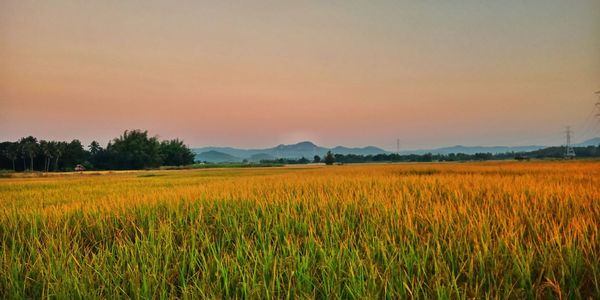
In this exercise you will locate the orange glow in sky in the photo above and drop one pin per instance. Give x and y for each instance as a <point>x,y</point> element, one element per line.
<point>260,73</point>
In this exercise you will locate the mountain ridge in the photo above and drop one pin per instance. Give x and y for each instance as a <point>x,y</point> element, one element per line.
<point>309,149</point>
<point>305,149</point>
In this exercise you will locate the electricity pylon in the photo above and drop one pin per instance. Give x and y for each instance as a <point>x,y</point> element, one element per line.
<point>569,152</point>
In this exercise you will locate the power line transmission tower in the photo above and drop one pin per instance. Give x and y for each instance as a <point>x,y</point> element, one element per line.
<point>591,125</point>
<point>597,115</point>
<point>598,105</point>
<point>398,146</point>
<point>569,152</point>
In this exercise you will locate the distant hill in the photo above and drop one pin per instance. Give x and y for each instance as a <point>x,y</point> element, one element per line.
<point>591,142</point>
<point>475,149</point>
<point>239,153</point>
<point>493,149</point>
<point>370,150</point>
<point>309,150</point>
<point>216,157</point>
<point>294,151</point>
<point>302,149</point>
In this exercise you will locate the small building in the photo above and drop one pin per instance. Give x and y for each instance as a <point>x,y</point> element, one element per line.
<point>79,168</point>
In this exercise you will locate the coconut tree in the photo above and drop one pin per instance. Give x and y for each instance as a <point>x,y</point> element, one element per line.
<point>28,147</point>
<point>12,153</point>
<point>22,154</point>
<point>45,149</point>
<point>59,150</point>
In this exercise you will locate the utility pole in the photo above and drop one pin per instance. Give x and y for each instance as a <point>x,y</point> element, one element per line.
<point>398,146</point>
<point>569,152</point>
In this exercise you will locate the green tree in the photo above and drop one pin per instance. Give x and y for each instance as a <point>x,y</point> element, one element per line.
<point>176,153</point>
<point>94,148</point>
<point>329,158</point>
<point>74,154</point>
<point>317,159</point>
<point>45,149</point>
<point>58,149</point>
<point>135,150</point>
<point>22,153</point>
<point>30,149</point>
<point>12,153</point>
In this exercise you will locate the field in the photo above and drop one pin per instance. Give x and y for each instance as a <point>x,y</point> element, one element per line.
<point>494,229</point>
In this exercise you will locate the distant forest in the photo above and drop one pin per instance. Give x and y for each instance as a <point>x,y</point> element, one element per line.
<point>550,152</point>
<point>132,150</point>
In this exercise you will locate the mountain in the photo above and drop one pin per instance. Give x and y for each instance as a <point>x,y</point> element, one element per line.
<point>493,149</point>
<point>303,149</point>
<point>591,142</point>
<point>216,157</point>
<point>370,150</point>
<point>475,149</point>
<point>309,150</point>
<point>239,153</point>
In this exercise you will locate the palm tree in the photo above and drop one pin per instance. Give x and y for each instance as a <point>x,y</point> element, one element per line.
<point>60,149</point>
<point>94,148</point>
<point>12,153</point>
<point>45,148</point>
<point>22,154</point>
<point>30,147</point>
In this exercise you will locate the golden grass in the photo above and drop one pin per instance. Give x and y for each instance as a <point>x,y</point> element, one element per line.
<point>494,229</point>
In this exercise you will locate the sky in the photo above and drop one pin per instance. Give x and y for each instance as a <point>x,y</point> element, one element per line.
<point>260,73</point>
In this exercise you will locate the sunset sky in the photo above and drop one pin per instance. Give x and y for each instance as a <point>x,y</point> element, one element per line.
<point>261,73</point>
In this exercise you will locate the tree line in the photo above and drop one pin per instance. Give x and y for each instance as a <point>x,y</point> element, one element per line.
<point>550,152</point>
<point>134,149</point>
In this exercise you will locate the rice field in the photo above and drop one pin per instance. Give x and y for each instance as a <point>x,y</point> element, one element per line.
<point>472,230</point>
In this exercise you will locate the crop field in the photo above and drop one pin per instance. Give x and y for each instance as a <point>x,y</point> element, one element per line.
<point>472,230</point>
